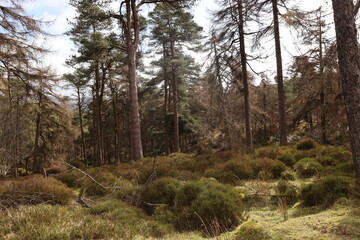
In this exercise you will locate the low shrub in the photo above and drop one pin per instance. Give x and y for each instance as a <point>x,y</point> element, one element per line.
<point>33,190</point>
<point>72,179</point>
<point>288,191</point>
<point>250,230</point>
<point>339,154</point>
<point>90,188</point>
<point>307,167</point>
<point>288,175</point>
<point>328,160</point>
<point>201,205</point>
<point>287,158</point>
<point>231,171</point>
<point>326,191</point>
<point>306,144</point>
<point>267,168</point>
<point>267,152</point>
<point>347,168</point>
<point>277,169</point>
<point>161,191</point>
<point>129,193</point>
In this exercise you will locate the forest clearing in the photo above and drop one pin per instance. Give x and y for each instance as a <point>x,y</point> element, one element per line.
<point>161,126</point>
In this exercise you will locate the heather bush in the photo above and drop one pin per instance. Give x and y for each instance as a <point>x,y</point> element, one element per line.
<point>34,189</point>
<point>250,230</point>
<point>307,167</point>
<point>161,191</point>
<point>200,205</point>
<point>326,191</point>
<point>306,144</point>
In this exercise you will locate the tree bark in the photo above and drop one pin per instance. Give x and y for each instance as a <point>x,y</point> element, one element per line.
<point>83,149</point>
<point>131,27</point>
<point>349,63</point>
<point>244,77</point>
<point>116,124</point>
<point>175,100</point>
<point>36,161</point>
<point>166,93</point>
<point>323,139</point>
<point>279,77</point>
<point>135,125</point>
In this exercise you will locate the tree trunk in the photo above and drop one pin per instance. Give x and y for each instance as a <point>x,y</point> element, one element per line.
<point>166,126</point>
<point>349,63</point>
<point>175,100</point>
<point>323,139</point>
<point>83,149</point>
<point>136,151</point>
<point>98,119</point>
<point>116,124</point>
<point>244,77</point>
<point>36,161</point>
<point>279,77</point>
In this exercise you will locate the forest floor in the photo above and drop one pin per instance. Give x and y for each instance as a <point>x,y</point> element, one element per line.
<point>133,200</point>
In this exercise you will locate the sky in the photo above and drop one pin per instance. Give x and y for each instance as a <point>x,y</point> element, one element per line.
<point>59,11</point>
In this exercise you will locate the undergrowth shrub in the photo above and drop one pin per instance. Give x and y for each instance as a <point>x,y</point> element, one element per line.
<point>231,171</point>
<point>307,167</point>
<point>250,230</point>
<point>287,158</point>
<point>129,193</point>
<point>288,191</point>
<point>90,188</point>
<point>306,144</point>
<point>161,191</point>
<point>326,191</point>
<point>267,152</point>
<point>202,205</point>
<point>338,153</point>
<point>347,168</point>
<point>34,189</point>
<point>277,169</point>
<point>72,179</point>
<point>267,168</point>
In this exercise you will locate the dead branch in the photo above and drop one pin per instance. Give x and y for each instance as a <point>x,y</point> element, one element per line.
<point>92,179</point>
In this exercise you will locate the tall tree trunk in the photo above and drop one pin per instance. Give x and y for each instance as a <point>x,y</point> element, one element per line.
<point>349,62</point>
<point>175,100</point>
<point>83,149</point>
<point>166,93</point>
<point>136,151</point>
<point>98,119</point>
<point>116,124</point>
<point>131,27</point>
<point>279,76</point>
<point>244,76</point>
<point>36,161</point>
<point>322,85</point>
